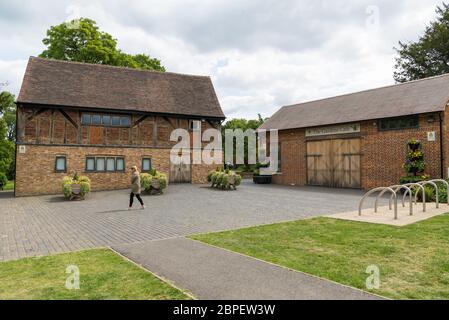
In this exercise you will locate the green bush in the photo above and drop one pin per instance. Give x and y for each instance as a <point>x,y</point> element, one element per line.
<point>68,182</point>
<point>224,179</point>
<point>431,194</point>
<point>3,180</point>
<point>148,181</point>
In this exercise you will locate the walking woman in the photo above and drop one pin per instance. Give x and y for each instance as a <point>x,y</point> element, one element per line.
<point>135,188</point>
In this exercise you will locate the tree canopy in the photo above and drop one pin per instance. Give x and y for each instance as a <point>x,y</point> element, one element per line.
<point>7,133</point>
<point>81,40</point>
<point>244,125</point>
<point>7,116</point>
<point>429,55</point>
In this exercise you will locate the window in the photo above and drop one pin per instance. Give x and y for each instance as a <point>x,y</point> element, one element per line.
<point>120,164</point>
<point>195,125</point>
<point>105,120</point>
<point>146,164</point>
<point>110,164</point>
<point>99,166</point>
<point>90,164</point>
<point>115,121</point>
<point>105,164</point>
<point>85,118</point>
<point>399,123</point>
<point>125,121</point>
<point>96,119</point>
<point>61,164</point>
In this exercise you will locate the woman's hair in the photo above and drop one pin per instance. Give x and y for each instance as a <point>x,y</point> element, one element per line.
<point>134,169</point>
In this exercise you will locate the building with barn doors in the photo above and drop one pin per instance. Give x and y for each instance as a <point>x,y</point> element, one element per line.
<point>360,140</point>
<point>100,120</point>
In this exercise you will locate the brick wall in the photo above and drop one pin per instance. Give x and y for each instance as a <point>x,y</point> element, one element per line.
<point>293,160</point>
<point>383,153</point>
<point>36,174</point>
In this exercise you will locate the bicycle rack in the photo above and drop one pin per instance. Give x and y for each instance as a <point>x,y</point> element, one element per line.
<point>447,186</point>
<point>420,187</point>
<point>395,188</point>
<point>433,184</point>
<point>384,189</point>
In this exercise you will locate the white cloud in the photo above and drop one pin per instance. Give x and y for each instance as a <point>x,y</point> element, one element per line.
<point>261,54</point>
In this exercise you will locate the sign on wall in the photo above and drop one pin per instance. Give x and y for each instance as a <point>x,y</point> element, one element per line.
<point>332,130</point>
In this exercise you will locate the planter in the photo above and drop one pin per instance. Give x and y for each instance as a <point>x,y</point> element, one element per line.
<point>262,179</point>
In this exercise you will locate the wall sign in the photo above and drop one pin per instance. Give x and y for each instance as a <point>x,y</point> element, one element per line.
<point>331,130</point>
<point>431,136</point>
<point>22,149</point>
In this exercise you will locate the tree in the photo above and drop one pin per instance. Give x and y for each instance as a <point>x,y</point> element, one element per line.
<point>429,56</point>
<point>7,133</point>
<point>81,40</point>
<point>7,116</point>
<point>244,125</point>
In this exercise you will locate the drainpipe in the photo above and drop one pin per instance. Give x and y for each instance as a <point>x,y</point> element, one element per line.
<point>442,156</point>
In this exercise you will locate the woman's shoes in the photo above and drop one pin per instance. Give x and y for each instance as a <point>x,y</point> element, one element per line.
<point>143,207</point>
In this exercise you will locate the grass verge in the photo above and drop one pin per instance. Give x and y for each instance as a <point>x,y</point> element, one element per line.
<point>413,260</point>
<point>103,275</point>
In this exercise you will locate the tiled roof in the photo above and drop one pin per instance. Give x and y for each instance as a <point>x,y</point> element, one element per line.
<point>416,97</point>
<point>74,84</point>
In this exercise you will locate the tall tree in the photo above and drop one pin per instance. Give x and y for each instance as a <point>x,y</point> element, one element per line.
<point>7,133</point>
<point>81,40</point>
<point>244,125</point>
<point>429,56</point>
<point>8,115</point>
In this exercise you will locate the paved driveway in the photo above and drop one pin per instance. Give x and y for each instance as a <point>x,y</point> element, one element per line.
<point>48,224</point>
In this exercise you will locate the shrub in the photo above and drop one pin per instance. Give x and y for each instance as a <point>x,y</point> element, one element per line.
<point>68,182</point>
<point>3,180</point>
<point>226,179</point>
<point>149,181</point>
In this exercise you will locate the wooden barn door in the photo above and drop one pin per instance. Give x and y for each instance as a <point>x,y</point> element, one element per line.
<point>180,172</point>
<point>346,173</point>
<point>319,163</point>
<point>334,163</point>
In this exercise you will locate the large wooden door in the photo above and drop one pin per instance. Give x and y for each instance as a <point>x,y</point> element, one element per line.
<point>180,172</point>
<point>334,163</point>
<point>319,163</point>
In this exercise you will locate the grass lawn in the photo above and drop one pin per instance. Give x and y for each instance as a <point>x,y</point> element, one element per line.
<point>9,186</point>
<point>413,260</point>
<point>103,275</point>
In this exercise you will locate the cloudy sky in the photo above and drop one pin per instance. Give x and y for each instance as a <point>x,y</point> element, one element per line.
<point>261,54</point>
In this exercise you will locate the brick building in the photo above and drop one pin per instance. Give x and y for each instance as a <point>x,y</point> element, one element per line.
<point>100,120</point>
<point>360,140</point>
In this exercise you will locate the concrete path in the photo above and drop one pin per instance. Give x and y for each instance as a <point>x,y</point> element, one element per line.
<point>213,274</point>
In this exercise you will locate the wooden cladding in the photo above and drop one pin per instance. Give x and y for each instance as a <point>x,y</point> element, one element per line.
<point>63,126</point>
<point>334,163</point>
